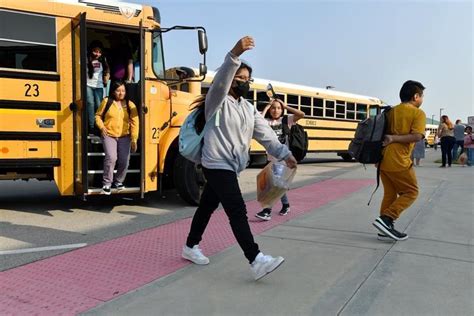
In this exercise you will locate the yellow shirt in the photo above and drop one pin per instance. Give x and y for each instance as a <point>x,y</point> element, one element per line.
<point>403,119</point>
<point>116,120</point>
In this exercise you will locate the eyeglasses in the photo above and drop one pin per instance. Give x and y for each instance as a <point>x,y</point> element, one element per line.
<point>244,79</point>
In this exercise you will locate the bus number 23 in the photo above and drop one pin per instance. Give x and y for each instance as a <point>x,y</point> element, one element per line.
<point>32,90</point>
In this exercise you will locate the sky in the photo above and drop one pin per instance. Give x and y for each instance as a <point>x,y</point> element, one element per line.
<point>363,47</point>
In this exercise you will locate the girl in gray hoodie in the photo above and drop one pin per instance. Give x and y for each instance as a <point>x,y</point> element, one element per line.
<point>225,155</point>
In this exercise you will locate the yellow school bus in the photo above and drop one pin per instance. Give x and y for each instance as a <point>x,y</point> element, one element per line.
<point>430,132</point>
<point>331,116</point>
<point>43,119</point>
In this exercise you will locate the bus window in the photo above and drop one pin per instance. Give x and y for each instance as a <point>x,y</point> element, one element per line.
<point>262,100</point>
<point>306,105</point>
<point>292,100</point>
<point>340,109</point>
<point>373,110</point>
<point>27,41</point>
<point>350,111</point>
<point>158,64</point>
<point>318,107</point>
<point>361,111</point>
<point>329,109</point>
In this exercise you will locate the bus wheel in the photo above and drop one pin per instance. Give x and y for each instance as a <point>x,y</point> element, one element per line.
<point>346,157</point>
<point>188,180</point>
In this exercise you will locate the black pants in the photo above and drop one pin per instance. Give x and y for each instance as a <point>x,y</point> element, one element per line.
<point>222,186</point>
<point>447,143</point>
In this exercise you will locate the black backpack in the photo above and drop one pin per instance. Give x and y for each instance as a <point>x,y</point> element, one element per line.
<point>366,147</point>
<point>297,139</point>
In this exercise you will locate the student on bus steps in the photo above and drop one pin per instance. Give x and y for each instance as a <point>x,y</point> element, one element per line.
<point>117,119</point>
<point>406,126</point>
<point>274,113</point>
<point>225,155</point>
<point>98,74</point>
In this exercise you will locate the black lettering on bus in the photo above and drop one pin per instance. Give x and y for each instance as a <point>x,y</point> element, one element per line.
<point>32,90</point>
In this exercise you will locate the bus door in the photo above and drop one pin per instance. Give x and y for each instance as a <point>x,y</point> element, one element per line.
<point>142,110</point>
<point>79,107</point>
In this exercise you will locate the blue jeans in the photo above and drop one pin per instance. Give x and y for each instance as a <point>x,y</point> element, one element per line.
<point>458,144</point>
<point>94,97</point>
<point>284,199</point>
<point>470,156</point>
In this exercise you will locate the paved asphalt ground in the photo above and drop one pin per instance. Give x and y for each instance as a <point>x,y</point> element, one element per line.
<point>334,263</point>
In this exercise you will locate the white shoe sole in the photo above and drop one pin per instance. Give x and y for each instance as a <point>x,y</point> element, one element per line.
<point>384,238</point>
<point>381,227</point>
<point>276,264</point>
<point>263,218</point>
<point>201,263</point>
<point>106,193</point>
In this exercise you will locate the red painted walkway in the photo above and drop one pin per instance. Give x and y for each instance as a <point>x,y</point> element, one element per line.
<point>82,279</point>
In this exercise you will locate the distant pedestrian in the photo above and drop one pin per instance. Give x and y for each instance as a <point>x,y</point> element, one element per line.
<point>406,126</point>
<point>418,152</point>
<point>119,128</point>
<point>446,134</point>
<point>469,146</point>
<point>225,155</point>
<point>459,135</point>
<point>274,112</point>
<point>436,141</point>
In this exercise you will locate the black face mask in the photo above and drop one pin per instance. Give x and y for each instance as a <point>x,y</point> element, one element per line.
<point>242,88</point>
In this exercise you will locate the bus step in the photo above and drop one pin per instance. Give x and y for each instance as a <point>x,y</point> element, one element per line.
<point>115,171</point>
<point>102,154</point>
<point>97,191</point>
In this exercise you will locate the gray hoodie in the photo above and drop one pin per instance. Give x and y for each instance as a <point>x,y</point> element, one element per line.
<point>227,142</point>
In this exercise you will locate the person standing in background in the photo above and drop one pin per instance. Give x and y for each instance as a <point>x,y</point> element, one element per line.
<point>459,135</point>
<point>446,134</point>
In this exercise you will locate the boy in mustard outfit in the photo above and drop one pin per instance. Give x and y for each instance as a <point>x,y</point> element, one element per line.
<point>406,126</point>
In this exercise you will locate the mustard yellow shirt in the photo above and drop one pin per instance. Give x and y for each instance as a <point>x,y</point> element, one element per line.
<point>403,119</point>
<point>116,120</point>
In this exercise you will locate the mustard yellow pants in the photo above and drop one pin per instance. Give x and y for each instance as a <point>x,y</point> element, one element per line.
<point>400,191</point>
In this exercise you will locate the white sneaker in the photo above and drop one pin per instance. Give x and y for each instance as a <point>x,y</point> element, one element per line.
<point>263,265</point>
<point>194,255</point>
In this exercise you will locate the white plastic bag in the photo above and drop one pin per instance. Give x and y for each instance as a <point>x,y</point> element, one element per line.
<point>272,182</point>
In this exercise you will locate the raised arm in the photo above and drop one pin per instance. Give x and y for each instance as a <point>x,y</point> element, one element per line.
<point>224,76</point>
<point>297,114</point>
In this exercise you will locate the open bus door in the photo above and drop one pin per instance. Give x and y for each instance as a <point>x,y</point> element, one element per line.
<point>142,110</point>
<point>79,107</point>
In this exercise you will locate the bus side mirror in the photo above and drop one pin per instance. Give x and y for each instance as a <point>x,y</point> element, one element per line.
<point>202,69</point>
<point>202,37</point>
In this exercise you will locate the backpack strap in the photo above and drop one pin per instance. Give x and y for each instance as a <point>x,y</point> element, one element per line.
<point>107,107</point>
<point>284,125</point>
<point>378,183</point>
<point>109,103</point>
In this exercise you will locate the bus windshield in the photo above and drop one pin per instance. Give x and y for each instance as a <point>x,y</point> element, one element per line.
<point>158,60</point>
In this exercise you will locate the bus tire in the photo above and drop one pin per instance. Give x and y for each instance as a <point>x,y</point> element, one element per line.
<point>188,180</point>
<point>346,157</point>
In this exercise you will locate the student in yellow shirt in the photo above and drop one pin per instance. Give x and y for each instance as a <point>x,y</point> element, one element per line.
<point>119,129</point>
<point>406,126</point>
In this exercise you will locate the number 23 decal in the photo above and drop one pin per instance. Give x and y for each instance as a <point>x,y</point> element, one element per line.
<point>155,133</point>
<point>32,90</point>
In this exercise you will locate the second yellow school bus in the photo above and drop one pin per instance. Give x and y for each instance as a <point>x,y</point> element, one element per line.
<point>43,117</point>
<point>331,116</point>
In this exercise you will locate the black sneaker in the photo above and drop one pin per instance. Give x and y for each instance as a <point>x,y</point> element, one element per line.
<point>265,214</point>
<point>106,190</point>
<point>285,209</point>
<point>385,225</point>
<point>118,186</point>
